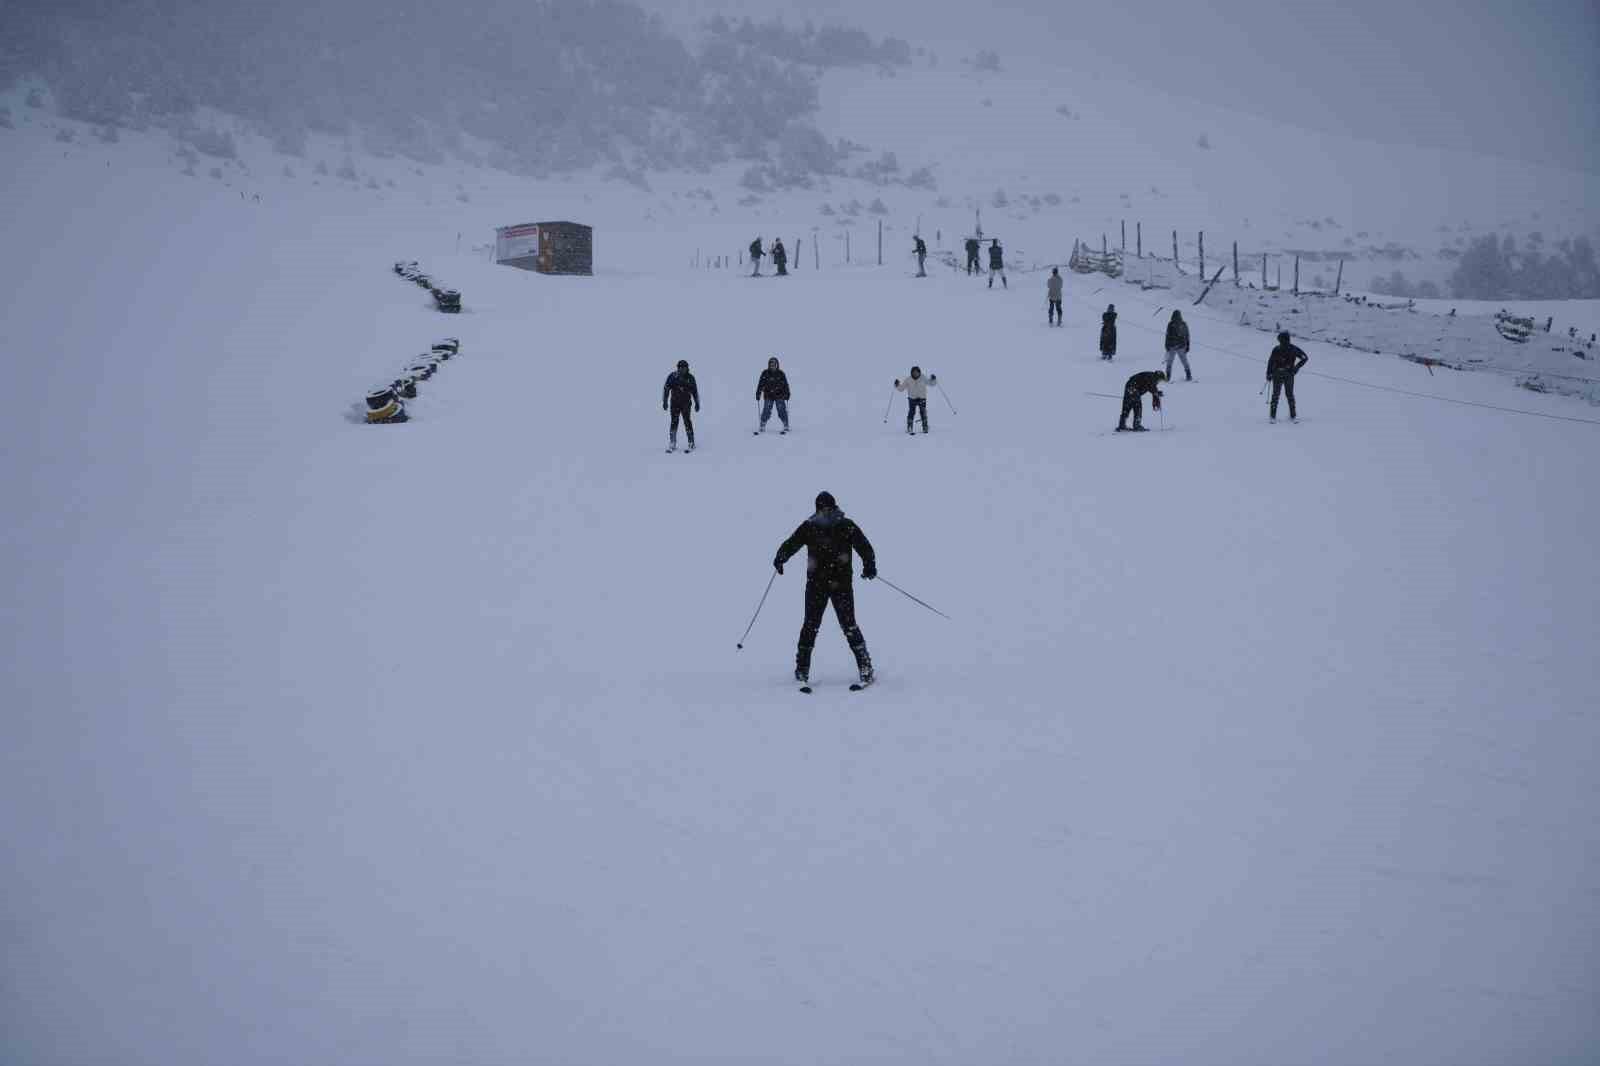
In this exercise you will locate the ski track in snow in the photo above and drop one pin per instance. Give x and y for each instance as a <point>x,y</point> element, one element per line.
<point>427,743</point>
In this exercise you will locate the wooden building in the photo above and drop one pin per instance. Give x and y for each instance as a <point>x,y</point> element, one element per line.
<point>546,247</point>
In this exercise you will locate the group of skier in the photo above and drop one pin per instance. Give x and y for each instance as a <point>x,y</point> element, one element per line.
<point>1283,364</point>
<point>680,397</point>
<point>780,257</point>
<point>832,540</point>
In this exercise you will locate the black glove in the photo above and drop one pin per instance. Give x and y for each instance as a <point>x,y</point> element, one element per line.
<point>777,566</point>
<point>696,408</point>
<point>897,383</point>
<point>869,573</point>
<point>663,407</point>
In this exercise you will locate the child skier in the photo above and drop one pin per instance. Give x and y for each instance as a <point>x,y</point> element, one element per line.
<point>1178,345</point>
<point>916,389</point>
<point>1108,332</point>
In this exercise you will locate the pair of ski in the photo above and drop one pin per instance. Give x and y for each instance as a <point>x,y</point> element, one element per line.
<point>673,447</point>
<point>855,686</point>
<point>784,432</point>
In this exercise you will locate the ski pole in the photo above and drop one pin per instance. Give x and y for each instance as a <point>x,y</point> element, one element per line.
<point>947,399</point>
<point>908,596</point>
<point>887,406</point>
<point>752,625</point>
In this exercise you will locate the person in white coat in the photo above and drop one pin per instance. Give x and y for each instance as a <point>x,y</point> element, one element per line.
<point>916,389</point>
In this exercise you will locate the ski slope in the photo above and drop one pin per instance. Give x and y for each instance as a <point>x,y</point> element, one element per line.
<point>343,744</point>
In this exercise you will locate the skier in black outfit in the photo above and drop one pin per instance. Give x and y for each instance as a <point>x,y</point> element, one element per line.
<point>922,258</point>
<point>1282,365</point>
<point>1108,332</point>
<point>997,264</point>
<point>755,257</point>
<point>678,394</point>
<point>1178,345</point>
<point>972,255</point>
<point>830,537</point>
<point>1133,398</point>
<point>780,258</point>
<point>773,385</point>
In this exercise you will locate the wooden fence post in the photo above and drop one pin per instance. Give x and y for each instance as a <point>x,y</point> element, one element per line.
<point>1104,247</point>
<point>847,246</point>
<point>1297,275</point>
<point>1263,270</point>
<point>880,242</point>
<point>1138,236</point>
<point>1124,235</point>
<point>1174,248</point>
<point>1202,253</point>
<point>1236,264</point>
<point>1340,279</point>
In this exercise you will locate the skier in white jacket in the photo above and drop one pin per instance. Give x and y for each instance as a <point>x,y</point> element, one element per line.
<point>916,389</point>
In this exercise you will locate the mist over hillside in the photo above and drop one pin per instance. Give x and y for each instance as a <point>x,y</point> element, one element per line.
<point>534,87</point>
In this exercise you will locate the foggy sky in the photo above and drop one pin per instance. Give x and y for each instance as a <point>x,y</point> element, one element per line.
<point>1490,77</point>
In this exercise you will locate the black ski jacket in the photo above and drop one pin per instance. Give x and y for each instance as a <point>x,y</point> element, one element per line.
<point>774,385</point>
<point>755,249</point>
<point>778,253</point>
<point>1143,382</point>
<point>681,390</point>
<point>972,249</point>
<point>1285,362</point>
<point>1177,334</point>
<point>997,260</point>
<point>921,249</point>
<point>830,537</point>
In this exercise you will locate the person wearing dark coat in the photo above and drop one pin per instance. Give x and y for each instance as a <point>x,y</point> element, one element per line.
<point>972,255</point>
<point>921,250</point>
<point>1282,365</point>
<point>1052,292</point>
<point>1108,332</point>
<point>755,257</point>
<point>829,538</point>
<point>997,264</point>
<point>677,395</point>
<point>780,258</point>
<point>773,388</point>
<point>1178,345</point>
<point>1133,398</point>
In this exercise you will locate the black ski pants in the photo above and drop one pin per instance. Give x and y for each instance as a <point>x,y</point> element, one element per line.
<point>820,591</point>
<point>682,412</point>
<point>1132,404</point>
<point>972,264</point>
<point>913,407</point>
<point>1054,314</point>
<point>1286,385</point>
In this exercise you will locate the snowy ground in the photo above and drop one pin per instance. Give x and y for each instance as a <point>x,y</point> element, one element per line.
<point>326,743</point>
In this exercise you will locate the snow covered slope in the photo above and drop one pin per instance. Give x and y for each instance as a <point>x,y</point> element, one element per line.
<point>336,744</point>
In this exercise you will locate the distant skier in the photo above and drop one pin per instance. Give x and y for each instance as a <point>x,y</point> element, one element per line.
<point>972,255</point>
<point>1178,345</point>
<point>1052,292</point>
<point>829,538</point>
<point>780,258</point>
<point>1133,398</point>
<point>755,257</point>
<point>678,394</point>
<point>773,388</point>
<point>916,389</point>
<point>997,264</point>
<point>1108,332</point>
<point>1282,365</point>
<point>922,258</point>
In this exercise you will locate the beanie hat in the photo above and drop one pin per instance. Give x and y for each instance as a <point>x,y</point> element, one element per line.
<point>826,502</point>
